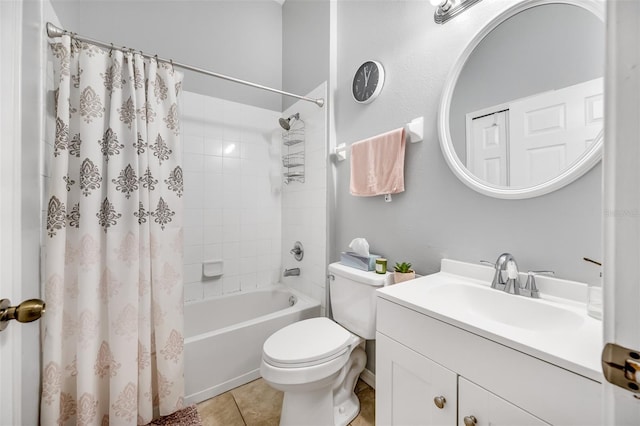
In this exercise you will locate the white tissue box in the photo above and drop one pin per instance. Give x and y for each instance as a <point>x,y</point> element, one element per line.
<point>358,261</point>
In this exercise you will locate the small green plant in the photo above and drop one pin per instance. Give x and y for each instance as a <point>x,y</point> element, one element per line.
<point>403,267</point>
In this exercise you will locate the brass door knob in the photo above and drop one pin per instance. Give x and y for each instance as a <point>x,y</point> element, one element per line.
<point>470,420</point>
<point>27,311</point>
<point>439,401</point>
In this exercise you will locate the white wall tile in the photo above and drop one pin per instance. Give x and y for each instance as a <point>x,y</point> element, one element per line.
<point>193,144</point>
<point>213,164</point>
<point>193,236</point>
<point>230,284</point>
<point>212,251</point>
<point>193,254</point>
<point>193,291</point>
<point>212,288</point>
<point>213,146</point>
<point>192,273</point>
<point>212,234</point>
<point>231,149</point>
<point>248,281</point>
<point>232,212</point>
<point>192,162</point>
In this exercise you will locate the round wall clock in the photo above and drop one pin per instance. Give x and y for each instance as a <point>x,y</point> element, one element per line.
<point>367,82</point>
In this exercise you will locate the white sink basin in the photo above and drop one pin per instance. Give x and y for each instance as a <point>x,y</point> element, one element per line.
<point>481,303</point>
<point>554,328</point>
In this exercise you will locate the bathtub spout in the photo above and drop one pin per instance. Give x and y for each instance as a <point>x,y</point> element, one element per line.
<point>295,272</point>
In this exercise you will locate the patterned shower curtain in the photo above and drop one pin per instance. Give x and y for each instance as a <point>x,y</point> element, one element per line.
<point>113,329</point>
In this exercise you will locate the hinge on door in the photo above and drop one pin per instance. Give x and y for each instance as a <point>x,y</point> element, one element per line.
<point>621,366</point>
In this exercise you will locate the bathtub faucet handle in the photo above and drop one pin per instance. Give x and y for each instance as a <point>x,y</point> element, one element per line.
<point>297,251</point>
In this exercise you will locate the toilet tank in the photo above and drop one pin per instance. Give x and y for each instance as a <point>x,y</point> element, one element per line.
<point>353,298</point>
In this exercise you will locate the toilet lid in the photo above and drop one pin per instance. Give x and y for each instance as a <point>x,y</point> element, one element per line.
<point>303,342</point>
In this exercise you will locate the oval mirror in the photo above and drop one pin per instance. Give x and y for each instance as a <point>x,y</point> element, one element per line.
<point>522,112</point>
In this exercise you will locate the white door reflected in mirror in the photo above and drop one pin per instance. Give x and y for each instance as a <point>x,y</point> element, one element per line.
<point>532,140</point>
<point>522,112</point>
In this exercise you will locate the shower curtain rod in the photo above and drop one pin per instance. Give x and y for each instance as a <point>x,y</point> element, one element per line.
<point>54,31</point>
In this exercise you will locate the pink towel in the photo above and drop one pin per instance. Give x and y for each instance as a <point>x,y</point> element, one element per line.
<point>377,165</point>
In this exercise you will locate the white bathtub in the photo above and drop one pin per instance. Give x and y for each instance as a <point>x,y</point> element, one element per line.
<point>224,336</point>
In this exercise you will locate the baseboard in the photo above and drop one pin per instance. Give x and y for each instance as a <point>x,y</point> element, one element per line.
<point>368,377</point>
<point>213,391</point>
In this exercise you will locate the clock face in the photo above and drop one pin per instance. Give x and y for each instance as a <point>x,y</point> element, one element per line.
<point>367,82</point>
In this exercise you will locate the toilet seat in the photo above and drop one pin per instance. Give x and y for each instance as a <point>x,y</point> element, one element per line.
<point>307,343</point>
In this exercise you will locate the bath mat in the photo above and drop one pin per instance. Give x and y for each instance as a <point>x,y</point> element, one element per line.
<point>186,417</point>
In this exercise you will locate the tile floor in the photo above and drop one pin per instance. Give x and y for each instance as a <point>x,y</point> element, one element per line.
<point>257,404</point>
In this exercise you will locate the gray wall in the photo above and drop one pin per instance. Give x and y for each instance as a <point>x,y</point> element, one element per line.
<point>242,39</point>
<point>438,216</point>
<point>517,59</point>
<point>305,46</point>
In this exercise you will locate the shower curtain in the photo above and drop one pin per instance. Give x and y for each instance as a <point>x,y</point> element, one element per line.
<point>113,338</point>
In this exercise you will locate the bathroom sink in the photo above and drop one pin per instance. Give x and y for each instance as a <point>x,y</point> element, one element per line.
<point>554,328</point>
<point>479,303</point>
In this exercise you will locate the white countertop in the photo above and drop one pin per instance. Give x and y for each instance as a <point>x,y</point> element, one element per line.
<point>574,344</point>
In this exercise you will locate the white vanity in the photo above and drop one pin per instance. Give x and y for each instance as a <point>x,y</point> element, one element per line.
<point>451,350</point>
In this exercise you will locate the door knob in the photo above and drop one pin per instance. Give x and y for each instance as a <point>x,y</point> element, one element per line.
<point>439,401</point>
<point>27,311</point>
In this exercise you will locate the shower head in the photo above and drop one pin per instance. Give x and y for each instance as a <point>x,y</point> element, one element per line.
<point>285,123</point>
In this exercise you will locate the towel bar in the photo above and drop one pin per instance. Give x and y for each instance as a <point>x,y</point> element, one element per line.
<point>414,132</point>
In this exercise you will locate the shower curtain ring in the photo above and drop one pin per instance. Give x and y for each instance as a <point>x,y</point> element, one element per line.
<point>111,50</point>
<point>172,68</point>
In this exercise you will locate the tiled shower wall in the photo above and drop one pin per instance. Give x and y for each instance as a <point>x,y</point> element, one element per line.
<point>304,205</point>
<point>232,200</point>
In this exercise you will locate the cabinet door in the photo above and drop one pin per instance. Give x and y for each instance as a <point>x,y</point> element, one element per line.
<point>489,409</point>
<point>406,385</point>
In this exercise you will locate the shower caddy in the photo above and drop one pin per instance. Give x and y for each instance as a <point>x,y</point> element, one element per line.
<point>293,141</point>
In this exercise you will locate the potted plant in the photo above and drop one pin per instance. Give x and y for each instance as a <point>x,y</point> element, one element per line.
<point>403,272</point>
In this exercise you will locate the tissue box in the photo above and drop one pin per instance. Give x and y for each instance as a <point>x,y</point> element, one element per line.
<point>357,261</point>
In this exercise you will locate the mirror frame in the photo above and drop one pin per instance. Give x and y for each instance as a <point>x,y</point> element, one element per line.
<point>578,168</point>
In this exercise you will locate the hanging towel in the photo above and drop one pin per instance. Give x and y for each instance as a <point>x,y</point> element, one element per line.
<point>377,165</point>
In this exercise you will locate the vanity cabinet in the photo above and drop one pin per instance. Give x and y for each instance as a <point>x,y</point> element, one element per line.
<point>413,390</point>
<point>407,384</point>
<point>476,403</point>
<point>419,358</point>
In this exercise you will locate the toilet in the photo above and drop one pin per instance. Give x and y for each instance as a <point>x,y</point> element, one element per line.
<point>316,362</point>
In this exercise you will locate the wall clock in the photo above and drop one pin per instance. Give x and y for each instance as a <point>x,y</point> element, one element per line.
<point>367,82</point>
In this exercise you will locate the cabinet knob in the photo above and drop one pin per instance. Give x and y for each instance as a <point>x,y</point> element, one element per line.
<point>470,420</point>
<point>439,401</point>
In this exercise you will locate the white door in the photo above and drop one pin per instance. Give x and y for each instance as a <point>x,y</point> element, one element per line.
<point>621,216</point>
<point>19,349</point>
<point>551,130</point>
<point>407,387</point>
<point>9,254</point>
<point>487,148</point>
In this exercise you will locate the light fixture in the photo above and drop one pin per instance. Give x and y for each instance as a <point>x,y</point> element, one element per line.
<point>447,9</point>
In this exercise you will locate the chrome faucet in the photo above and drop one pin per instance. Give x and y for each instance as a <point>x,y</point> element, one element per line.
<point>506,277</point>
<point>293,272</point>
<point>530,289</point>
<point>506,266</point>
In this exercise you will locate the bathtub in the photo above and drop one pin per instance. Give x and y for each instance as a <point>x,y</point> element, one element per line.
<point>224,336</point>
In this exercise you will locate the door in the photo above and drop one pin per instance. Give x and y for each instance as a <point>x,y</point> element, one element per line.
<point>412,389</point>
<point>479,407</point>
<point>621,216</point>
<point>488,148</point>
<point>551,130</point>
<point>20,31</point>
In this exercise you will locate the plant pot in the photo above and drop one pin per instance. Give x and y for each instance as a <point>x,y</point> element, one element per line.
<point>399,277</point>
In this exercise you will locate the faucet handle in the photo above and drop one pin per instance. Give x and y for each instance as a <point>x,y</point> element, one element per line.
<point>486,262</point>
<point>530,287</point>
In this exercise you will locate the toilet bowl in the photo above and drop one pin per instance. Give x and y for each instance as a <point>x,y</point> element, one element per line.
<point>316,362</point>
